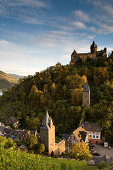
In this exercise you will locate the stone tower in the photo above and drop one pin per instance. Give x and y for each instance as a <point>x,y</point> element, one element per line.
<point>93,48</point>
<point>47,133</point>
<point>86,95</point>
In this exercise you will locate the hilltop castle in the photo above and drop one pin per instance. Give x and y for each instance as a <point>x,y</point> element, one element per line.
<point>94,54</point>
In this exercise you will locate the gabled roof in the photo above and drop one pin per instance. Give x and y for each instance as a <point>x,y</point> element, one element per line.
<point>94,127</point>
<point>79,133</point>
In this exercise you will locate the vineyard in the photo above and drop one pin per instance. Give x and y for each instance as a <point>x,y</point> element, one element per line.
<point>14,159</point>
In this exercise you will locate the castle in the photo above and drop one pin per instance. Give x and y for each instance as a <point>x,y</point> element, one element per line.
<point>94,54</point>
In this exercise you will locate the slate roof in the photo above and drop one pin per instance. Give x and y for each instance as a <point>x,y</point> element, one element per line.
<point>94,127</point>
<point>86,87</point>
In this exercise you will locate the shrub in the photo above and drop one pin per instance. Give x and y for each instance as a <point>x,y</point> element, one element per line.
<point>102,165</point>
<point>80,151</point>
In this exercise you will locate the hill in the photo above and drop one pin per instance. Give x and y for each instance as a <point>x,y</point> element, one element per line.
<point>59,89</point>
<point>6,80</point>
<point>16,76</point>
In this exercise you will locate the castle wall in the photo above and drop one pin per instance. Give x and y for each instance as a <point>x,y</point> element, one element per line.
<point>84,56</point>
<point>60,147</point>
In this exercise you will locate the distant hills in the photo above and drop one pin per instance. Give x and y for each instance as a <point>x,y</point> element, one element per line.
<point>7,80</point>
<point>16,76</point>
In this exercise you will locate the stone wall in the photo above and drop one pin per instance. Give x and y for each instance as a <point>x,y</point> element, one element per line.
<point>60,147</point>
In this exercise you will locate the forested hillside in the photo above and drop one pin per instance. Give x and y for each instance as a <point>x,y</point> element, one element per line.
<point>6,80</point>
<point>59,89</point>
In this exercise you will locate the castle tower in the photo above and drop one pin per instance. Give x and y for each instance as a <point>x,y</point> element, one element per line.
<point>93,47</point>
<point>47,133</point>
<point>86,95</point>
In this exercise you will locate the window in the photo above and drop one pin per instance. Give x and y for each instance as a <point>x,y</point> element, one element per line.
<point>93,136</point>
<point>90,136</point>
<point>97,137</point>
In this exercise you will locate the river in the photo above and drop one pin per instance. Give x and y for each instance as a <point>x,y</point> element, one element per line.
<point>0,93</point>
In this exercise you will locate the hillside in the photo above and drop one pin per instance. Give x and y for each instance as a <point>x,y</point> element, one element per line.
<point>14,159</point>
<point>6,80</point>
<point>59,89</point>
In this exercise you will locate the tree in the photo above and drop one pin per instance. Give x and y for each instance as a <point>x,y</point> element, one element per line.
<point>32,141</point>
<point>80,151</point>
<point>41,148</point>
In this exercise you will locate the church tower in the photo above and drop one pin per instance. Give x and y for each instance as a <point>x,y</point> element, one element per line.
<point>86,95</point>
<point>93,48</point>
<point>47,133</point>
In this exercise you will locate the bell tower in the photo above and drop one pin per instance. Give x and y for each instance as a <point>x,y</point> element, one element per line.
<point>47,133</point>
<point>93,47</point>
<point>86,95</point>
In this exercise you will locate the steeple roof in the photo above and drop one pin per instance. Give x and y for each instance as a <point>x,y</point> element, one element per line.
<point>86,87</point>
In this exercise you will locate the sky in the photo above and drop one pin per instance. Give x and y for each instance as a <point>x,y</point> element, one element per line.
<point>36,34</point>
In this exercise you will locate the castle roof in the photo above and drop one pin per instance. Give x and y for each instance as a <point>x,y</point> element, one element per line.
<point>93,44</point>
<point>86,87</point>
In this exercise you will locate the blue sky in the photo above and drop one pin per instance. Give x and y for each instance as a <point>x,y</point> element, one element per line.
<point>35,34</point>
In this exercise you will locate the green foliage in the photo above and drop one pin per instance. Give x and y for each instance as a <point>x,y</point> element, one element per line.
<point>41,148</point>
<point>13,159</point>
<point>59,89</point>
<point>32,141</point>
<point>102,165</point>
<point>80,151</point>
<point>6,143</point>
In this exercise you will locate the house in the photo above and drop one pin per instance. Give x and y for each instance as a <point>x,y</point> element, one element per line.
<point>94,132</point>
<point>78,135</point>
<point>13,122</point>
<point>93,54</point>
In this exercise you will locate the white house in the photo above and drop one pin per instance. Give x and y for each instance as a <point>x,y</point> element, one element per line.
<point>94,132</point>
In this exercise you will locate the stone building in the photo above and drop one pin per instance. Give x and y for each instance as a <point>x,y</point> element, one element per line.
<point>86,95</point>
<point>47,137</point>
<point>94,54</point>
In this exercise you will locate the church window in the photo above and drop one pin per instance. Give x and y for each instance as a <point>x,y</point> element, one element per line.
<point>90,136</point>
<point>97,137</point>
<point>93,136</point>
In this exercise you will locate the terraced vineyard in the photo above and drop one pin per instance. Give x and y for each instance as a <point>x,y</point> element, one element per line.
<point>14,159</point>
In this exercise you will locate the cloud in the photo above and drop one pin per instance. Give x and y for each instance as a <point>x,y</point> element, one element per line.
<point>81,15</point>
<point>3,42</point>
<point>25,3</point>
<point>79,25</point>
<point>27,11</point>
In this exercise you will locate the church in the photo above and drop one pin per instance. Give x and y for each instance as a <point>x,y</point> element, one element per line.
<point>93,55</point>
